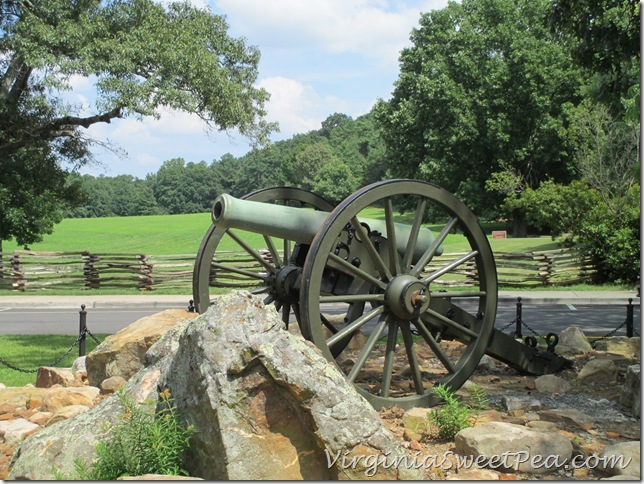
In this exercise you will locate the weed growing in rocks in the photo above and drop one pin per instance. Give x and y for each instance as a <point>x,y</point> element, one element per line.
<point>453,415</point>
<point>145,442</point>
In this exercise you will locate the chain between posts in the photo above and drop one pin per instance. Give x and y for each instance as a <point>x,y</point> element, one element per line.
<point>80,341</point>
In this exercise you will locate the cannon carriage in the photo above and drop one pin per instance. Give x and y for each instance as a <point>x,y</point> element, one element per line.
<point>367,290</point>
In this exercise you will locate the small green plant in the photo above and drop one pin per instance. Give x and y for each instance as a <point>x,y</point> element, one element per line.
<point>453,414</point>
<point>144,442</point>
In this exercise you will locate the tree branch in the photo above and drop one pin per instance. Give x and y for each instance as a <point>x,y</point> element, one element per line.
<point>55,129</point>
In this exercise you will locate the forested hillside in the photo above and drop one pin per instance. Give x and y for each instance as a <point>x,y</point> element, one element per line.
<point>333,161</point>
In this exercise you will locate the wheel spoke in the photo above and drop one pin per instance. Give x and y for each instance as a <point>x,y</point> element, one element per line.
<point>356,271</point>
<point>287,251</point>
<point>448,322</point>
<point>243,272</point>
<point>444,295</point>
<point>452,265</point>
<point>390,354</point>
<point>394,260</point>
<point>252,252</point>
<point>350,298</point>
<point>355,325</point>
<point>413,234</point>
<point>270,299</point>
<point>367,349</point>
<point>371,250</point>
<point>260,290</point>
<point>286,314</point>
<point>435,347</point>
<point>431,250</point>
<point>270,245</point>
<point>328,325</point>
<point>411,357</point>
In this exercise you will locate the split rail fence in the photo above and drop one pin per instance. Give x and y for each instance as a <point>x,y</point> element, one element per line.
<point>38,271</point>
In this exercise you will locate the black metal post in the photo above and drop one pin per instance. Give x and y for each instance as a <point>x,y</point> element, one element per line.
<point>629,318</point>
<point>519,321</point>
<point>82,330</point>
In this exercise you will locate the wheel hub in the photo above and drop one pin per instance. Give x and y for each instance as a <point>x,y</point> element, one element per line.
<point>407,297</point>
<point>287,284</point>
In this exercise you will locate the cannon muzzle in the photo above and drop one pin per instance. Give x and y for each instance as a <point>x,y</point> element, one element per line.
<point>300,224</point>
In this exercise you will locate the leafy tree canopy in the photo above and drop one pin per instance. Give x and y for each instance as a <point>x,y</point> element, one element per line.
<point>606,36</point>
<point>142,56</point>
<point>483,89</point>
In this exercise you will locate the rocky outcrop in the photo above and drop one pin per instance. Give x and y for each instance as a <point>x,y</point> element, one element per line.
<point>122,354</point>
<point>506,446</point>
<point>266,404</point>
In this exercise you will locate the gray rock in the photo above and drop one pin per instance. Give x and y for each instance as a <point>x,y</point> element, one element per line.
<point>552,384</point>
<point>631,390</point>
<point>621,459</point>
<point>572,340</point>
<point>506,446</point>
<point>520,403</point>
<point>568,416</point>
<point>266,404</point>
<point>78,366</point>
<point>598,371</point>
<point>486,364</point>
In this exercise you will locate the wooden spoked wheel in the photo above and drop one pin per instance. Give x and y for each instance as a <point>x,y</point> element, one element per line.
<point>408,326</point>
<point>239,266</point>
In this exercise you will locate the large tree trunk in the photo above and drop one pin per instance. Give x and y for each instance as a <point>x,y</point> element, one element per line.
<point>519,224</point>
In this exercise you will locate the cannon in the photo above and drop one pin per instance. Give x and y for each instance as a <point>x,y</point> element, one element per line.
<point>368,283</point>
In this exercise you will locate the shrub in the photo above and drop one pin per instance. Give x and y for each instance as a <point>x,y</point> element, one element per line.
<point>453,414</point>
<point>146,441</point>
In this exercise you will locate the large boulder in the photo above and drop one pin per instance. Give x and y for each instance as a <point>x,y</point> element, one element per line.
<point>122,354</point>
<point>265,404</point>
<point>511,447</point>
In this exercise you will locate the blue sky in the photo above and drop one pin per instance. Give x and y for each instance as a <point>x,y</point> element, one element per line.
<point>317,58</point>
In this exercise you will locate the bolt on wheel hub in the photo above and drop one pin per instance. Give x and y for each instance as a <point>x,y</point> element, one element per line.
<point>407,297</point>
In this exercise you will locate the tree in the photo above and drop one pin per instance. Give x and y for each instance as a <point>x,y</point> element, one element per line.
<point>307,163</point>
<point>34,196</point>
<point>485,88</point>
<point>334,181</point>
<point>606,36</point>
<point>142,56</point>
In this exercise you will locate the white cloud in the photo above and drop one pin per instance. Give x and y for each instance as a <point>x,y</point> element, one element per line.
<point>374,28</point>
<point>293,105</point>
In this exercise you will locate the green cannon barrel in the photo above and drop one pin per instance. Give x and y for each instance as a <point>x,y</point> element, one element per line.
<point>300,224</point>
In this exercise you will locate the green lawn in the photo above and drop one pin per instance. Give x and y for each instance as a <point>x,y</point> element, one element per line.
<point>182,234</point>
<point>32,351</point>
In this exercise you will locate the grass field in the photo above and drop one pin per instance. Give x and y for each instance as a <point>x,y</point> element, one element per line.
<point>182,234</point>
<point>32,351</point>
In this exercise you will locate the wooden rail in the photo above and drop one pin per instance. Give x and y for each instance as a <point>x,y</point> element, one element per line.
<point>24,270</point>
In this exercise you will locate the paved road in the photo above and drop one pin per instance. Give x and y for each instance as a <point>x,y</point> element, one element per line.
<point>596,319</point>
